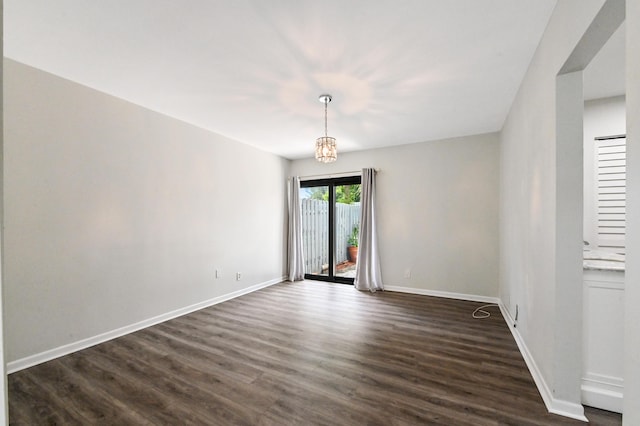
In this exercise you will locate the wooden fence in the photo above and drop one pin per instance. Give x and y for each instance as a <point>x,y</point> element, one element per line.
<point>315,235</point>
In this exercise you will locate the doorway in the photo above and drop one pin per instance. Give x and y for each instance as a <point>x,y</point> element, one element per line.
<point>330,228</point>
<point>573,385</point>
<point>604,234</point>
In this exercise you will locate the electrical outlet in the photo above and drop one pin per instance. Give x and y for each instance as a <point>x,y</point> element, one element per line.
<point>407,273</point>
<point>238,276</point>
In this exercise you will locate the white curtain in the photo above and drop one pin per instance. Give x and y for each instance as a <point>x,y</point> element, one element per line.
<point>368,275</point>
<point>295,256</point>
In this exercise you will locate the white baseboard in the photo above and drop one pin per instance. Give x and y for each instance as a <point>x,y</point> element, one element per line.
<point>554,405</point>
<point>445,294</point>
<point>50,354</point>
<point>604,392</point>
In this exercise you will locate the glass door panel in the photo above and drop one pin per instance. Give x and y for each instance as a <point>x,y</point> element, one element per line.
<point>347,227</point>
<point>315,229</point>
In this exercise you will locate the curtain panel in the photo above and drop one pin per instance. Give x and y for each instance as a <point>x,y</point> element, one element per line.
<point>295,255</point>
<point>368,275</point>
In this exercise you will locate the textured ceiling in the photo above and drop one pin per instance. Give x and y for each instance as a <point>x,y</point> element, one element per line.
<point>400,71</point>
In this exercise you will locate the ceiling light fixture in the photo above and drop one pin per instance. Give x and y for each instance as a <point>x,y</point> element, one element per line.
<point>326,151</point>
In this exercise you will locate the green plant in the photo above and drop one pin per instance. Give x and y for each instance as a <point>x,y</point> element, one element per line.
<point>345,194</point>
<point>353,239</point>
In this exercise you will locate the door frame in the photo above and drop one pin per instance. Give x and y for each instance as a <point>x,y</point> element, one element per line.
<point>331,183</point>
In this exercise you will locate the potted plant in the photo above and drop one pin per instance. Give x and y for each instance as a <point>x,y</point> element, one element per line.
<point>352,245</point>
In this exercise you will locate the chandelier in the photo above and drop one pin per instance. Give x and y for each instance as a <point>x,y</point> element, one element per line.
<point>326,151</point>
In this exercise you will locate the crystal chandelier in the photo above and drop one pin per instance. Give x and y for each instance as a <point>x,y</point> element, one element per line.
<point>326,151</point>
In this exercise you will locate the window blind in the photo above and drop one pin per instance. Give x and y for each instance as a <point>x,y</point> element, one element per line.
<point>612,185</point>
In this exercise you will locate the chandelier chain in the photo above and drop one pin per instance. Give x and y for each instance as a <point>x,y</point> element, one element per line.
<point>326,102</point>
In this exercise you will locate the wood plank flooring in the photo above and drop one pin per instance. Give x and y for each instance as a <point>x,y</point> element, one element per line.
<point>308,353</point>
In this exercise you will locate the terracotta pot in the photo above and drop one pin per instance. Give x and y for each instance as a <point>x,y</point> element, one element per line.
<point>353,253</point>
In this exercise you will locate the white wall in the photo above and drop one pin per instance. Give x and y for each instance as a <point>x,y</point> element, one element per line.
<point>632,286</point>
<point>568,262</point>
<point>3,375</point>
<point>115,214</point>
<point>602,117</point>
<point>528,205</point>
<point>437,210</point>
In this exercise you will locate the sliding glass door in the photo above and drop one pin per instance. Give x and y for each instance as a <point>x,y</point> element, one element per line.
<point>330,227</point>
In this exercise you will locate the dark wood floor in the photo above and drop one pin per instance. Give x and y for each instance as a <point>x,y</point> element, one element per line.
<point>308,353</point>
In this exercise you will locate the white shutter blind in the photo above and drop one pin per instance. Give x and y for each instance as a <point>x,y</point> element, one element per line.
<point>612,185</point>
